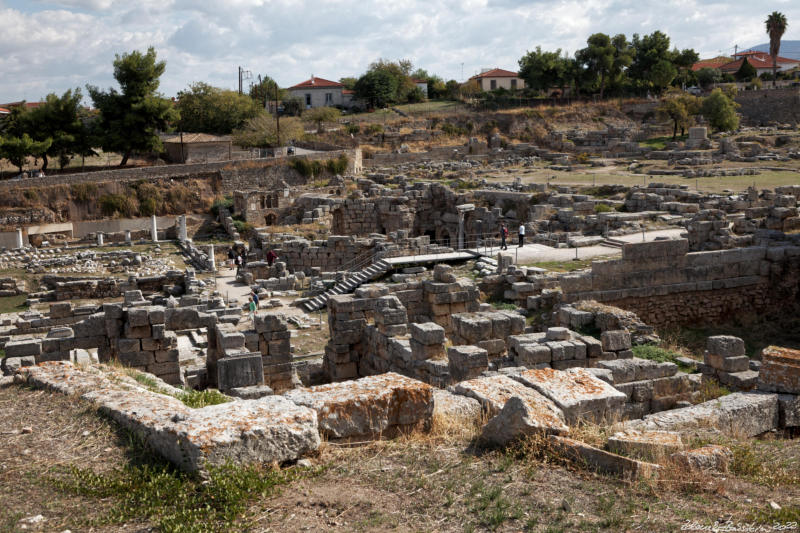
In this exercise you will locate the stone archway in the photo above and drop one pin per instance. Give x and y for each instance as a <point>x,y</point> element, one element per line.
<point>271,219</point>
<point>444,237</point>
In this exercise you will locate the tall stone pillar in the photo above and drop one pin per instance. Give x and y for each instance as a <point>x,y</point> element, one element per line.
<point>212,262</point>
<point>460,230</point>
<point>154,229</point>
<point>100,238</point>
<point>19,237</point>
<point>128,236</point>
<point>182,228</point>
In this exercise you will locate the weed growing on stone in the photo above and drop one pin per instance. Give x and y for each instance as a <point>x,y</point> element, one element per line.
<point>661,355</point>
<point>198,399</point>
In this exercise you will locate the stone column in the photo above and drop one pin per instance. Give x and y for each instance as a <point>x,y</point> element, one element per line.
<point>154,229</point>
<point>99,238</point>
<point>128,236</point>
<point>460,230</point>
<point>182,228</point>
<point>19,237</point>
<point>212,262</point>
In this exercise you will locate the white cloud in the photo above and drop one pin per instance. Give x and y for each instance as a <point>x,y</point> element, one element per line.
<point>53,45</point>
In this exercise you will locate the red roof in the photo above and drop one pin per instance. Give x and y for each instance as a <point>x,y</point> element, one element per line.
<point>315,83</point>
<point>348,91</point>
<point>765,57</point>
<point>734,66</point>
<point>4,111</point>
<point>496,73</point>
<point>717,62</point>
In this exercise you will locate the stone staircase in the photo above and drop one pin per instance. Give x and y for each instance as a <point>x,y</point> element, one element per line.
<point>350,282</point>
<point>612,243</point>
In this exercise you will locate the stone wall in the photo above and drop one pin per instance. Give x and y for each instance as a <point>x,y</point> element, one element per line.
<point>769,106</point>
<point>665,285</point>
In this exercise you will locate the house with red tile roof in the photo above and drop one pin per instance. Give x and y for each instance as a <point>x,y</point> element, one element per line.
<point>761,61</point>
<point>715,62</point>
<point>4,111</point>
<point>319,92</point>
<point>422,85</point>
<point>497,78</point>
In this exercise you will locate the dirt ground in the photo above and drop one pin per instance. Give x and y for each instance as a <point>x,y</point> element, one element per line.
<point>433,482</point>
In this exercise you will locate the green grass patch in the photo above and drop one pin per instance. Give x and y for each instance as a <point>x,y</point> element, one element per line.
<point>659,143</point>
<point>563,266</point>
<point>172,500</point>
<point>13,304</point>
<point>504,306</point>
<point>198,399</point>
<point>660,355</point>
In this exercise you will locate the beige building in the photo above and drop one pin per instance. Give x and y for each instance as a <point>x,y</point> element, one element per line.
<point>318,92</point>
<point>497,78</point>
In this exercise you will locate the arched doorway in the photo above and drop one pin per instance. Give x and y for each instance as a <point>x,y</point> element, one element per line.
<point>271,219</point>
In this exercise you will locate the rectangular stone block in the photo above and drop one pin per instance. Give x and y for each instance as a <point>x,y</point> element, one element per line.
<point>738,363</point>
<point>137,332</point>
<point>427,333</point>
<point>780,370</point>
<point>137,317</point>
<point>129,345</point>
<point>532,354</point>
<point>615,340</point>
<point>240,371</point>
<point>725,346</point>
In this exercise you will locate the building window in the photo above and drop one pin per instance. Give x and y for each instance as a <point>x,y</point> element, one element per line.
<point>328,98</point>
<point>493,84</point>
<point>308,100</point>
<point>513,83</point>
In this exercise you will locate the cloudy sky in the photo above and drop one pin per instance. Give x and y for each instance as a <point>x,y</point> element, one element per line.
<point>52,45</point>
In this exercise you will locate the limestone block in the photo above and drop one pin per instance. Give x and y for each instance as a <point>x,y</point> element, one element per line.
<point>156,315</point>
<point>420,351</point>
<point>789,410</point>
<point>725,346</point>
<point>594,348</point>
<point>557,334</point>
<point>137,332</point>
<point>523,417</point>
<point>449,408</point>
<point>493,392</point>
<point>649,445</point>
<point>532,354</point>
<point>240,371</point>
<point>740,414</point>
<point>495,347</point>
<point>60,310</point>
<point>711,457</point>
<point>780,370</point>
<point>579,394</point>
<point>745,380</point>
<point>368,406</point>
<point>129,345</point>
<point>737,363</point>
<point>21,348</point>
<point>443,274</point>
<point>636,369</point>
<point>138,317</point>
<point>601,460</point>
<point>427,333</point>
<point>615,340</point>
<point>467,362</point>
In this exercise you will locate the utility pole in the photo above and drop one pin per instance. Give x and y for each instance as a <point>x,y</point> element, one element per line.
<point>735,49</point>
<point>240,80</point>
<point>277,116</point>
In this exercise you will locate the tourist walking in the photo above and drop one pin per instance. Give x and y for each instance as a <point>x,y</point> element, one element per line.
<point>271,257</point>
<point>251,305</point>
<point>503,237</point>
<point>231,257</point>
<point>521,234</point>
<point>254,296</point>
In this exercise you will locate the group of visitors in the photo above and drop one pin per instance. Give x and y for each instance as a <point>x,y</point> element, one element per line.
<point>504,236</point>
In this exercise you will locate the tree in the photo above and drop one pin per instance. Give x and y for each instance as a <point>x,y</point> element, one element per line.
<point>605,57</point>
<point>708,76</point>
<point>542,70</point>
<point>17,149</point>
<point>261,132</point>
<point>60,119</point>
<point>208,109</point>
<point>321,114</point>
<point>349,82</point>
<point>662,74</point>
<point>130,119</point>
<point>746,72</point>
<point>720,111</point>
<point>680,108</point>
<point>377,87</point>
<point>266,90</point>
<point>776,26</point>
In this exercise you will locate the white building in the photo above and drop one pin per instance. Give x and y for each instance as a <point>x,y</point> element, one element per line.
<point>319,92</point>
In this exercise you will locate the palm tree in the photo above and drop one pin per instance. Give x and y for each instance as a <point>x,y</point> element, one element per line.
<point>776,26</point>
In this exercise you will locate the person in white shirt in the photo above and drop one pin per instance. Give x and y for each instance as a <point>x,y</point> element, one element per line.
<point>521,234</point>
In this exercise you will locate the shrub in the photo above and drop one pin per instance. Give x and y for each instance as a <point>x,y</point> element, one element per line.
<point>374,129</point>
<point>305,167</point>
<point>338,165</point>
<point>243,228</point>
<point>112,204</point>
<point>178,197</point>
<point>602,208</point>
<point>221,203</point>
<point>83,192</point>
<point>353,129</point>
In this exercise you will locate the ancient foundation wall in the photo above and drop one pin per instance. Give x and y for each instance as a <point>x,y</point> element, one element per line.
<point>772,105</point>
<point>665,285</point>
